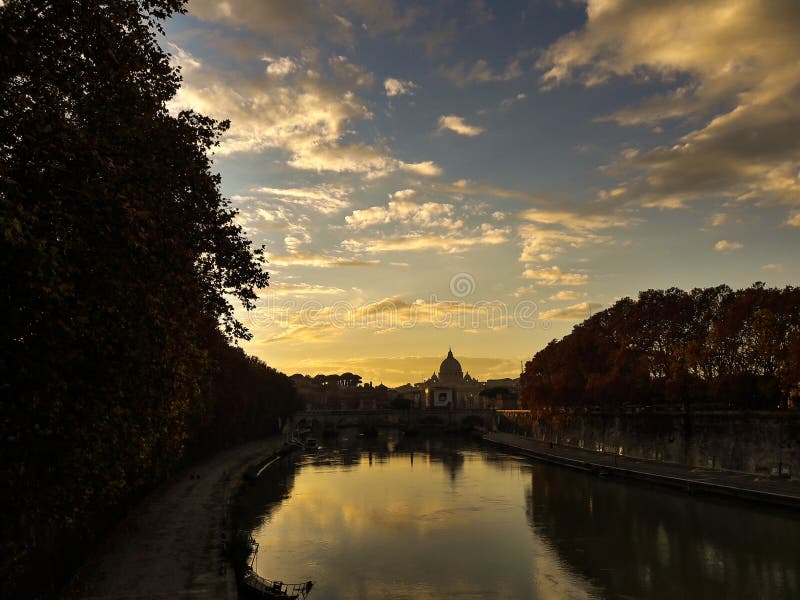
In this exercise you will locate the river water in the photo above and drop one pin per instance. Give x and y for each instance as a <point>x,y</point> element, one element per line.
<point>419,519</point>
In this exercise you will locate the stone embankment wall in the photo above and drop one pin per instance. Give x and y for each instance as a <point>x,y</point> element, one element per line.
<point>750,441</point>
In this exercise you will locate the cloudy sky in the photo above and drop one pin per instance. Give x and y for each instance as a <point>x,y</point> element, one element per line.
<point>482,175</point>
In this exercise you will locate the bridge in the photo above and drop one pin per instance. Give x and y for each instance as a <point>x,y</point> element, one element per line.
<point>413,418</point>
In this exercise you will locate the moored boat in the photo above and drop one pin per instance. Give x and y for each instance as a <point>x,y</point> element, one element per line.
<point>252,585</point>
<point>255,586</point>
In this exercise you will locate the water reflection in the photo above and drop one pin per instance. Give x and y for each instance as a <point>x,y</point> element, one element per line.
<point>420,519</point>
<point>649,543</point>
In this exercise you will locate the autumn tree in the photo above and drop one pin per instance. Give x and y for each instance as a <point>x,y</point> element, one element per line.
<point>711,347</point>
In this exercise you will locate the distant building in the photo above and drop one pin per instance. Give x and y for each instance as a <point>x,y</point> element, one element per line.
<point>413,393</point>
<point>451,388</point>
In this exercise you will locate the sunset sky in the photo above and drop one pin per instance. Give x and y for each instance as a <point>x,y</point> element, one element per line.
<point>483,176</point>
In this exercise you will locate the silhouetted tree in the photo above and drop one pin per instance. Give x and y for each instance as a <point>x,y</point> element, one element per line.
<point>118,256</point>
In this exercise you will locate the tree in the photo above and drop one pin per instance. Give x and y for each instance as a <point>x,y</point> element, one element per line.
<point>712,346</point>
<point>118,256</point>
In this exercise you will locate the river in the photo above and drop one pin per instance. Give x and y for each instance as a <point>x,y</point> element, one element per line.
<point>419,519</point>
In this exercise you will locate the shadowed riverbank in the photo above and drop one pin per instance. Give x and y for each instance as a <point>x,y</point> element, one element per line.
<point>172,544</point>
<point>730,484</point>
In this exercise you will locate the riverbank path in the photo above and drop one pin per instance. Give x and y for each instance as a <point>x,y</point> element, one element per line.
<point>170,545</point>
<point>718,482</point>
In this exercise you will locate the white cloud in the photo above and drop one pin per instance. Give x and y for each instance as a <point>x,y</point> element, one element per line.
<point>297,117</point>
<point>428,214</point>
<point>398,87</point>
<point>726,246</point>
<point>566,295</point>
<point>471,188</point>
<point>732,64</point>
<point>313,259</point>
<point>280,67</point>
<point>555,276</point>
<point>426,168</point>
<point>308,118</point>
<point>343,158</point>
<point>257,217</point>
<point>183,59</point>
<point>300,289</point>
<point>551,232</point>
<point>458,125</point>
<point>773,267</point>
<point>576,312</point>
<point>542,245</point>
<point>717,219</point>
<point>448,243</point>
<point>577,221</point>
<point>403,194</point>
<point>294,242</point>
<point>326,199</point>
<point>794,220</point>
<point>342,21</point>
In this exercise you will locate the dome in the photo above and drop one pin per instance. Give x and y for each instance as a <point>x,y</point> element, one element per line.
<point>450,369</point>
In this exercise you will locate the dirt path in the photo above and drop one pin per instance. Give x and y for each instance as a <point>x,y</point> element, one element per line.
<point>170,545</point>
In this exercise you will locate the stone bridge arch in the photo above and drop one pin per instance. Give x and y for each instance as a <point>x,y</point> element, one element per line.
<point>446,418</point>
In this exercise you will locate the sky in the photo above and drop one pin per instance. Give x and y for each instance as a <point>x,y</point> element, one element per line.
<point>482,175</point>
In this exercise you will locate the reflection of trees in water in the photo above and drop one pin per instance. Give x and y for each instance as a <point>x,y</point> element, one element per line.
<point>501,460</point>
<point>265,494</point>
<point>639,542</point>
<point>446,450</point>
<point>261,496</point>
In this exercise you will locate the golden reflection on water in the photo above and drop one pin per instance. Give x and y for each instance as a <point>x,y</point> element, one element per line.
<point>437,519</point>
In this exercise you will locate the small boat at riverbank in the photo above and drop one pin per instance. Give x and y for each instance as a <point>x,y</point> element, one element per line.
<point>252,585</point>
<point>255,586</point>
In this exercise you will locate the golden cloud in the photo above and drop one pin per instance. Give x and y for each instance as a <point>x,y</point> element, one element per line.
<point>555,276</point>
<point>449,243</point>
<point>326,199</point>
<point>567,295</point>
<point>294,109</point>
<point>457,125</point>
<point>292,321</point>
<point>398,87</point>
<point>726,246</point>
<point>576,312</point>
<point>427,214</point>
<point>739,58</point>
<point>312,259</point>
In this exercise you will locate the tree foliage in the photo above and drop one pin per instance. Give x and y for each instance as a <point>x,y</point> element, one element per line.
<point>345,380</point>
<point>119,259</point>
<point>713,347</point>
